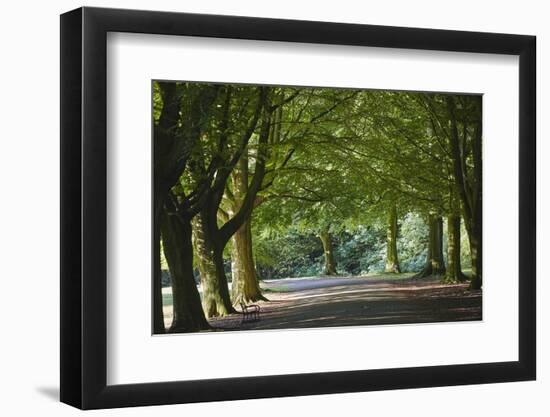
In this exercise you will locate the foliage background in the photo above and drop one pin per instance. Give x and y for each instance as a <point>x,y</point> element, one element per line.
<point>357,252</point>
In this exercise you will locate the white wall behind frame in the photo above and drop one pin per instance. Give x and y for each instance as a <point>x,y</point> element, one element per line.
<point>29,180</point>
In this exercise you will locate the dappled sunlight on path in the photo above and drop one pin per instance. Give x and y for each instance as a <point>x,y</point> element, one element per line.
<point>344,301</point>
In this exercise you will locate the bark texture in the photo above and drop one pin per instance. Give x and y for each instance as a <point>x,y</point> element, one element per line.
<point>475,251</point>
<point>328,251</point>
<point>392,260</point>
<point>435,264</point>
<point>158,312</point>
<point>215,292</point>
<point>245,287</point>
<point>454,271</point>
<point>172,150</point>
<point>469,179</point>
<point>178,250</point>
<point>211,238</point>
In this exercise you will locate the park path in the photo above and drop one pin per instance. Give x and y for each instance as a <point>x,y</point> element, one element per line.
<point>342,301</point>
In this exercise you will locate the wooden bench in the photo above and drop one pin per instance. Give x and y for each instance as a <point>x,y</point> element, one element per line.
<point>250,312</point>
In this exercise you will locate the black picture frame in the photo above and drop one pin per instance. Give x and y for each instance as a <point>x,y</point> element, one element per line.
<point>84,207</point>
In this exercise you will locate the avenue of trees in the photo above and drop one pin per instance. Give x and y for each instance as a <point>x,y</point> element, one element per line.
<point>260,182</point>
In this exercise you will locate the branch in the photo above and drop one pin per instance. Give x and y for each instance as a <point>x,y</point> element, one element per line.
<point>285,101</point>
<point>230,227</point>
<point>458,173</point>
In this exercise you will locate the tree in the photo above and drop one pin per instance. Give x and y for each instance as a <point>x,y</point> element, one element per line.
<point>392,261</point>
<point>328,251</point>
<point>466,154</point>
<point>175,135</point>
<point>178,250</point>
<point>210,238</point>
<point>324,162</point>
<point>201,127</point>
<point>245,286</point>
<point>454,269</point>
<point>435,263</point>
<point>390,140</point>
<point>296,113</point>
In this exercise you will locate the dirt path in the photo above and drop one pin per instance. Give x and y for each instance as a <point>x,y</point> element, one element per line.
<point>343,301</point>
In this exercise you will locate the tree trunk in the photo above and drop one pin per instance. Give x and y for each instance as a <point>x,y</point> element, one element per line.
<point>474,229</point>
<point>435,264</point>
<point>211,239</point>
<point>170,154</point>
<point>215,292</point>
<point>475,250</point>
<point>469,186</point>
<point>330,263</point>
<point>178,250</point>
<point>454,271</point>
<point>392,261</point>
<point>245,287</point>
<point>158,313</point>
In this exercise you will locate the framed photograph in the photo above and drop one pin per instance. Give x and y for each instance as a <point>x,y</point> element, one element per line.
<point>257,208</point>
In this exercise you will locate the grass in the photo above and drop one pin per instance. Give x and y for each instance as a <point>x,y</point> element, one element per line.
<point>388,275</point>
<point>282,289</point>
<point>167,299</point>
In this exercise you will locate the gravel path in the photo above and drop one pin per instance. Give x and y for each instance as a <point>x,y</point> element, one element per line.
<point>343,301</point>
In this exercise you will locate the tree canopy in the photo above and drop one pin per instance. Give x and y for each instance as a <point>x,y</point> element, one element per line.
<point>272,182</point>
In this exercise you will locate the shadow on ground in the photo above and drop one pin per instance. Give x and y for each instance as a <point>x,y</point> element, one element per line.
<point>50,392</point>
<point>329,302</point>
